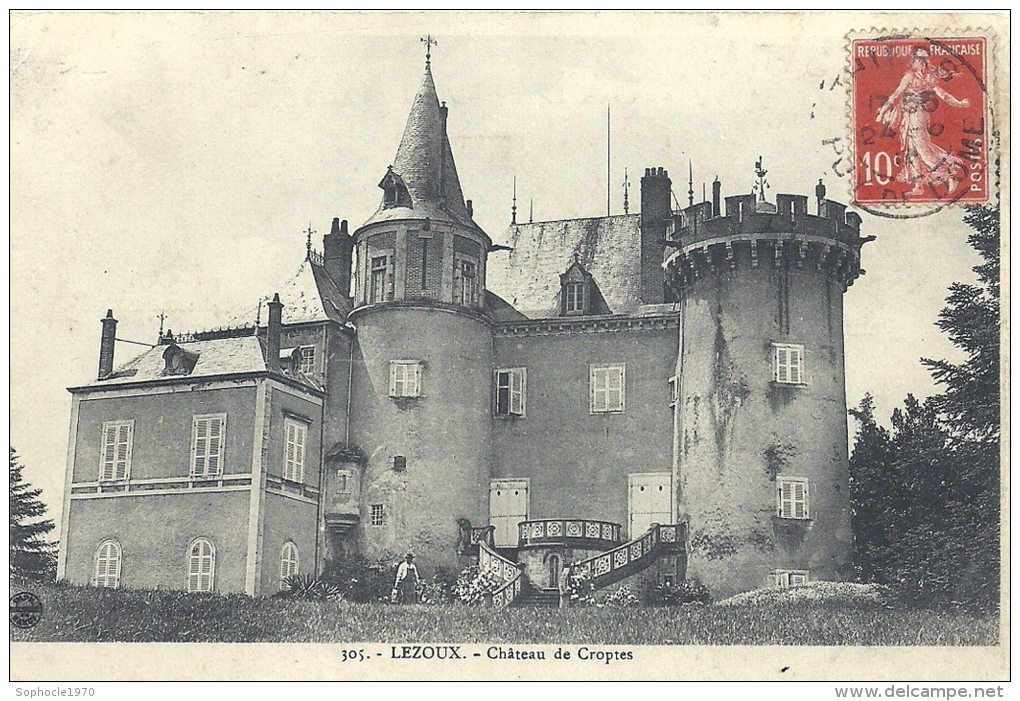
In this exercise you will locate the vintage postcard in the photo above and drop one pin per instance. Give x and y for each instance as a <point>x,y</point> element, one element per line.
<point>509,346</point>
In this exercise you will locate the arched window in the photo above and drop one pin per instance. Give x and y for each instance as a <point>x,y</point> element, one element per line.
<point>201,565</point>
<point>107,573</point>
<point>288,562</point>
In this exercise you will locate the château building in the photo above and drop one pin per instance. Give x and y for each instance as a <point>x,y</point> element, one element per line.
<point>658,393</point>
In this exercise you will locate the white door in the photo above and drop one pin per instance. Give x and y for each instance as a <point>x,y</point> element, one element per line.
<point>508,506</point>
<point>649,499</point>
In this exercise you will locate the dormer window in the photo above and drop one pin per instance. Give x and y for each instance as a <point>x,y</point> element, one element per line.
<point>395,192</point>
<point>575,298</point>
<point>178,361</point>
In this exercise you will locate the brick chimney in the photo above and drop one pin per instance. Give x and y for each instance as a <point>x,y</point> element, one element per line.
<point>716,197</point>
<point>655,211</point>
<point>273,334</point>
<point>337,251</point>
<point>106,345</point>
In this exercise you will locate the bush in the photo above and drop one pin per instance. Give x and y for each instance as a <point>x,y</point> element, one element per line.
<point>305,587</point>
<point>362,580</point>
<point>441,589</point>
<point>473,584</point>
<point>582,589</point>
<point>622,596</point>
<point>686,592</point>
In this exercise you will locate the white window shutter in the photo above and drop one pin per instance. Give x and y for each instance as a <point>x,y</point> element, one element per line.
<point>394,369</point>
<point>795,365</point>
<point>517,392</point>
<point>416,388</point>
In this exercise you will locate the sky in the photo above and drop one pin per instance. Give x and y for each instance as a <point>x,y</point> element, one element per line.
<point>171,163</point>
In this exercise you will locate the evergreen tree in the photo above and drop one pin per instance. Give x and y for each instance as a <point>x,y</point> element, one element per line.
<point>925,495</point>
<point>32,555</point>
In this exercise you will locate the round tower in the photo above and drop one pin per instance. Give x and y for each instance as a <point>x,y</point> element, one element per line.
<point>761,442</point>
<point>423,362</point>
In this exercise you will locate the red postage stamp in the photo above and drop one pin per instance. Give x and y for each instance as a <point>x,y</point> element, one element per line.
<point>921,126</point>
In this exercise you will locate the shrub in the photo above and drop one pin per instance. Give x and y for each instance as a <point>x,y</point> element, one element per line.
<point>622,596</point>
<point>305,587</point>
<point>473,584</point>
<point>686,592</point>
<point>582,589</point>
<point>362,580</point>
<point>440,590</point>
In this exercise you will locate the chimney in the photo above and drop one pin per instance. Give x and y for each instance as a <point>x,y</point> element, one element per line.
<point>820,195</point>
<point>470,209</point>
<point>655,213</point>
<point>106,345</point>
<point>337,251</point>
<point>273,334</point>
<point>716,197</point>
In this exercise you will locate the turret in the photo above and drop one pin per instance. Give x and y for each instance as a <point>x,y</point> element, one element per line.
<point>761,428</point>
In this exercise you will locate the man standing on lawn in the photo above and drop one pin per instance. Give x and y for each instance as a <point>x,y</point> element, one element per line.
<point>406,587</point>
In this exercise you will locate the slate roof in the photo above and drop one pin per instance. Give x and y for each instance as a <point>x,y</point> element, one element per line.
<point>309,296</point>
<point>424,161</point>
<point>528,276</point>
<point>220,357</point>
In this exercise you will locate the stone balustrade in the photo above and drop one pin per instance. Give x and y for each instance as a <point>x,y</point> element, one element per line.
<point>583,533</point>
<point>627,559</point>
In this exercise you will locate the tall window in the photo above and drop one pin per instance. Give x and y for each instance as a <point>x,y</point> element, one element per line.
<point>107,572</point>
<point>288,563</point>
<point>790,578</point>
<point>608,384</point>
<point>294,453</point>
<point>201,565</point>
<point>377,515</point>
<point>674,390</point>
<point>306,364</point>
<point>207,445</point>
<point>405,378</point>
<point>511,387</point>
<point>465,282</point>
<point>789,364</point>
<point>380,280</point>
<point>575,298</point>
<point>116,457</point>
<point>792,497</point>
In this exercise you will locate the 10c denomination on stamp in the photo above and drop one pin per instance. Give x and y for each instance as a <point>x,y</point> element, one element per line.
<point>920,120</point>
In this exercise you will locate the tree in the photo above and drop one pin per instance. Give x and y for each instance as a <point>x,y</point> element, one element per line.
<point>925,495</point>
<point>32,555</point>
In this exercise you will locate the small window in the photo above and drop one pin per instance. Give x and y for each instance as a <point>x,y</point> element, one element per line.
<point>207,433</point>
<point>608,384</point>
<point>116,458</point>
<point>288,563</point>
<point>306,361</point>
<point>378,518</point>
<point>201,565</point>
<point>400,463</point>
<point>107,571</point>
<point>511,391</point>
<point>294,455</point>
<point>789,364</point>
<point>674,390</point>
<point>790,578</point>
<point>465,282</point>
<point>575,298</point>
<point>792,497</point>
<point>405,378</point>
<point>379,290</point>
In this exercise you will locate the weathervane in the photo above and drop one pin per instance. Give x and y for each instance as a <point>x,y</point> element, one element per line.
<point>626,193</point>
<point>762,182</point>
<point>690,183</point>
<point>513,207</point>
<point>429,43</point>
<point>308,241</point>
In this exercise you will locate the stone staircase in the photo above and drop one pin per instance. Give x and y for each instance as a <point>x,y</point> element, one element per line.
<point>537,598</point>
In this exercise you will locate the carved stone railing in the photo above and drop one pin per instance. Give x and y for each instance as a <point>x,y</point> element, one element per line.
<point>631,557</point>
<point>509,573</point>
<point>584,533</point>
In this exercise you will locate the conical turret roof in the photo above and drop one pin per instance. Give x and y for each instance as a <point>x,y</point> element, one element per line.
<point>425,166</point>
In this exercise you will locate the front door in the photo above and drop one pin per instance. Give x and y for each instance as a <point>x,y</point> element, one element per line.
<point>650,500</point>
<point>508,506</point>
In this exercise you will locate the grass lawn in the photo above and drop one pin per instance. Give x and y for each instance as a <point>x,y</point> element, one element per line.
<point>837,615</point>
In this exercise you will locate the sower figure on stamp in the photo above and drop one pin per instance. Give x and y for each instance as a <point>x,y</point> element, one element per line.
<point>908,110</point>
<point>406,586</point>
